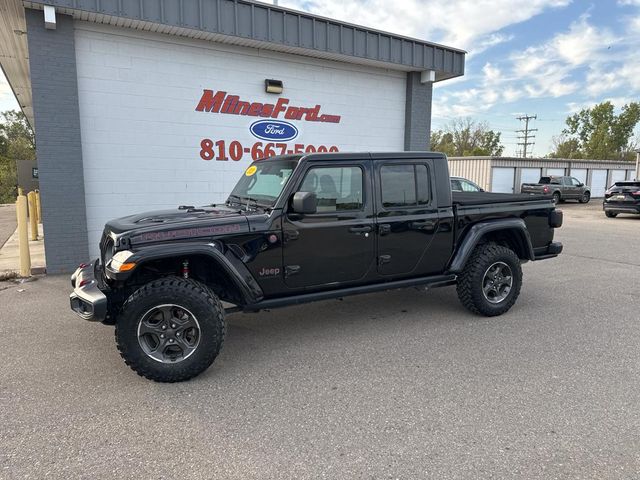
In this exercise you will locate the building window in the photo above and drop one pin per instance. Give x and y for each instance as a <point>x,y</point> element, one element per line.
<point>34,172</point>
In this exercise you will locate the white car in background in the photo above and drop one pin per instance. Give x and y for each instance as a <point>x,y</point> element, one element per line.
<point>459,184</point>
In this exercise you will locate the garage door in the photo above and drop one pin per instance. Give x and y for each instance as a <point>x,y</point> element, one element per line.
<point>529,175</point>
<point>580,174</point>
<point>502,179</point>
<point>598,183</point>
<point>617,176</point>
<point>555,171</point>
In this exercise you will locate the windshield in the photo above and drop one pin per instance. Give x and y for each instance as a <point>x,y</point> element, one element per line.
<point>263,182</point>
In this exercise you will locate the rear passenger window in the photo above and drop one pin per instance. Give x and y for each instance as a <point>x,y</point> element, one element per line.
<point>404,185</point>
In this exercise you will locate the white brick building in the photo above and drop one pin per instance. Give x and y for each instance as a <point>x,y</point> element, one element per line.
<point>114,91</point>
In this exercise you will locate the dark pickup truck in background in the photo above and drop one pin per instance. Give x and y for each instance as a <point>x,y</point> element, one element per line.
<point>300,228</point>
<point>622,197</point>
<point>561,188</point>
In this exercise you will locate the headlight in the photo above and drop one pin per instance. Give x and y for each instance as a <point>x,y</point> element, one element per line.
<point>119,261</point>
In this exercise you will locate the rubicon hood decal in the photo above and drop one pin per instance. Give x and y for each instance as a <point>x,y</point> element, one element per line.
<point>273,130</point>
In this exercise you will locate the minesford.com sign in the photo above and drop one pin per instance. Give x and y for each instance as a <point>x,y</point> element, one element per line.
<point>275,134</point>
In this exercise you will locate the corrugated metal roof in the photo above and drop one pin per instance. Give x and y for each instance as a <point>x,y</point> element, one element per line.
<point>547,162</point>
<point>250,23</point>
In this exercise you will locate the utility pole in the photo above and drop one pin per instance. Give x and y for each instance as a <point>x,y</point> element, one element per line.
<point>526,133</point>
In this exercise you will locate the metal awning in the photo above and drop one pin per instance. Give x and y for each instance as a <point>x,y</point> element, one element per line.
<point>14,54</point>
<point>237,22</point>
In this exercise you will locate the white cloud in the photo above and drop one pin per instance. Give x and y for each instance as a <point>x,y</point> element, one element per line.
<point>553,61</point>
<point>582,41</point>
<point>485,42</point>
<point>551,69</point>
<point>618,103</point>
<point>491,73</point>
<point>471,25</point>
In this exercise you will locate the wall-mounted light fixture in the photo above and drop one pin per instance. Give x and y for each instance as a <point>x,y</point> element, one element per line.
<point>273,86</point>
<point>49,17</point>
<point>427,76</point>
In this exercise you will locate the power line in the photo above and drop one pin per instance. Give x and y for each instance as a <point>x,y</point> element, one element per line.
<point>526,136</point>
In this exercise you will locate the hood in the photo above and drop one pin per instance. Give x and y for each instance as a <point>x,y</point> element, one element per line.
<point>179,223</point>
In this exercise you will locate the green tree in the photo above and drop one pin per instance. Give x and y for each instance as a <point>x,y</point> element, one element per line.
<point>16,143</point>
<point>566,148</point>
<point>601,133</point>
<point>465,137</point>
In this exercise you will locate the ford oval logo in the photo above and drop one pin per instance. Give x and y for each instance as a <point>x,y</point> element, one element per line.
<point>273,130</point>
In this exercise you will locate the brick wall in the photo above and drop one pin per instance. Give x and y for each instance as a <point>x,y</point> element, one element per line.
<point>141,133</point>
<point>417,113</point>
<point>52,62</point>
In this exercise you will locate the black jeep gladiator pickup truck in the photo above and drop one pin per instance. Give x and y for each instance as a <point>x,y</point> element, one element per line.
<point>300,228</point>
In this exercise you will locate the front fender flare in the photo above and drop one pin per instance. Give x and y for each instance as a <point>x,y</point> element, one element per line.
<point>479,230</point>
<point>227,261</point>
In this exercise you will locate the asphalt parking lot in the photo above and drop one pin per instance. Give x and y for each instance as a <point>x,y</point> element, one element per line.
<point>395,385</point>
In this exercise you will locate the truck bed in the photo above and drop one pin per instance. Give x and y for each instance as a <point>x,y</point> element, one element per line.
<point>483,198</point>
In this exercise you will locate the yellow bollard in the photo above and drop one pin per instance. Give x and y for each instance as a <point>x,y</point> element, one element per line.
<point>20,192</point>
<point>33,215</point>
<point>38,207</point>
<point>23,236</point>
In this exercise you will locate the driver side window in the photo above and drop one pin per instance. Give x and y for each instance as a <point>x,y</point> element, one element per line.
<point>337,188</point>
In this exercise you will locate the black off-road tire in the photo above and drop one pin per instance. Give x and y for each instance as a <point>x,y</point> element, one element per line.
<point>470,281</point>
<point>610,214</point>
<point>585,197</point>
<point>556,198</point>
<point>189,294</point>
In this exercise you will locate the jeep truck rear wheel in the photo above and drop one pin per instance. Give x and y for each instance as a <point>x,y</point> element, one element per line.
<point>490,281</point>
<point>171,329</point>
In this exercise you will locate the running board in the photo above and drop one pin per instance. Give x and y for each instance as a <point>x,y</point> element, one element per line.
<point>429,282</point>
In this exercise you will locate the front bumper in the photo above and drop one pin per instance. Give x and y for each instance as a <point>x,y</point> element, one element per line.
<point>87,300</point>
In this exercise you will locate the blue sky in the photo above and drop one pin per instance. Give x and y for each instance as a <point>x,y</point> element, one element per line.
<point>544,57</point>
<point>548,58</point>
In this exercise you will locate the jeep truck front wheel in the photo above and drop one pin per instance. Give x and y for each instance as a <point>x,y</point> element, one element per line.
<point>171,329</point>
<point>490,281</point>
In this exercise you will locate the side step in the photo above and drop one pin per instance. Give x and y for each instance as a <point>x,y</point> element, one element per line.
<point>429,282</point>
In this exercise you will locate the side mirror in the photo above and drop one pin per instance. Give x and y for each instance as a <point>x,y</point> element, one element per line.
<point>581,184</point>
<point>304,202</point>
<point>481,190</point>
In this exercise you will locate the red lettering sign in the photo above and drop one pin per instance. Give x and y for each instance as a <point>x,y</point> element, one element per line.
<point>221,102</point>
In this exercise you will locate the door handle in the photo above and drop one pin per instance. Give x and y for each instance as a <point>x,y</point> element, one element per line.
<point>365,229</point>
<point>384,228</point>
<point>424,224</point>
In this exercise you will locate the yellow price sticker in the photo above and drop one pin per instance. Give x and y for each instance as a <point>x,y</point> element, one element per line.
<point>251,170</point>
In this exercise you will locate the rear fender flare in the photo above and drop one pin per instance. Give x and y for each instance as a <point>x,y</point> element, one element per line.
<point>480,230</point>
